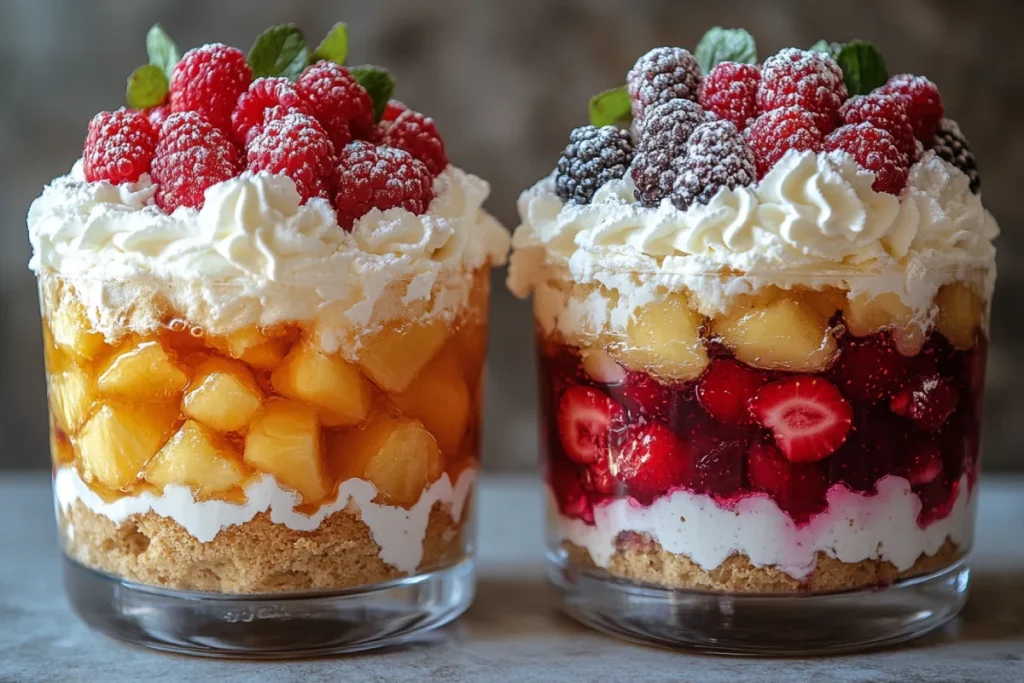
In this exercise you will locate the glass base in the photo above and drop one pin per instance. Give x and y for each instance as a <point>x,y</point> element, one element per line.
<point>269,626</point>
<point>761,624</point>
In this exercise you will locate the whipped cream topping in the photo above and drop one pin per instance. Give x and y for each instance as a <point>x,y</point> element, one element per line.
<point>854,527</point>
<point>812,219</point>
<point>253,254</point>
<point>398,532</point>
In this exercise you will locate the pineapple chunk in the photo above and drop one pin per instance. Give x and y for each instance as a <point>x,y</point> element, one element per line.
<point>72,332</point>
<point>664,338</point>
<point>784,334</point>
<point>198,458</point>
<point>337,388</point>
<point>395,356</point>
<point>61,451</point>
<point>256,349</point>
<point>826,302</point>
<point>439,398</point>
<point>223,395</point>
<point>865,315</point>
<point>70,398</point>
<point>397,455</point>
<point>284,440</point>
<point>143,372</point>
<point>960,314</point>
<point>117,442</point>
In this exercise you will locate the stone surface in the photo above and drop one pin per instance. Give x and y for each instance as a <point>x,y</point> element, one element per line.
<point>511,632</point>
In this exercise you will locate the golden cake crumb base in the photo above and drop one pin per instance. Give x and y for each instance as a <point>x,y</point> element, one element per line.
<point>258,556</point>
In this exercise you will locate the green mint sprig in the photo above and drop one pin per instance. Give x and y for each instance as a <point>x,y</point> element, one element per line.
<point>379,82</point>
<point>862,64</point>
<point>149,84</point>
<point>725,45</point>
<point>334,46</point>
<point>279,51</point>
<point>611,107</point>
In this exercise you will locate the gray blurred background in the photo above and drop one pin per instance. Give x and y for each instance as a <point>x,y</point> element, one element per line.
<point>506,81</point>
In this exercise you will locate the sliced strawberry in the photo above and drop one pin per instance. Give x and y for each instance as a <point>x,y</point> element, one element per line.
<point>564,479</point>
<point>869,369</point>
<point>726,388</point>
<point>586,417</point>
<point>643,395</point>
<point>809,417</point>
<point>598,478</point>
<point>653,460</point>
<point>927,401</point>
<point>798,489</point>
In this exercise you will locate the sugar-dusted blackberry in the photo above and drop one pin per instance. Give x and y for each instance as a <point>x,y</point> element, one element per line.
<point>663,135</point>
<point>950,144</point>
<point>662,74</point>
<point>716,157</point>
<point>592,158</point>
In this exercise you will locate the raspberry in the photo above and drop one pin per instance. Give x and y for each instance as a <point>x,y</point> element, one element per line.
<point>716,157</point>
<point>774,133</point>
<point>370,176</point>
<point>191,156</point>
<point>296,145</point>
<point>888,112</point>
<point>393,109</point>
<point>417,135</point>
<point>662,74</point>
<point>874,150</point>
<point>809,80</point>
<point>924,103</point>
<point>592,158</point>
<point>730,92</point>
<point>209,80</point>
<point>157,115</point>
<point>338,102</point>
<point>950,144</point>
<point>119,146</point>
<point>663,136</point>
<point>262,94</point>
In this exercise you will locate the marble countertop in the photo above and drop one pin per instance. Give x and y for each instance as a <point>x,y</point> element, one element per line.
<point>511,632</point>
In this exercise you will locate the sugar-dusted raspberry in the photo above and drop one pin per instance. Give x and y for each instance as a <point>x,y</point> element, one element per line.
<point>592,158</point>
<point>393,109</point>
<point>339,103</point>
<point>417,135</point>
<point>775,132</point>
<point>370,176</point>
<point>924,103</point>
<point>209,80</point>
<point>262,94</point>
<point>662,74</point>
<point>951,144</point>
<point>888,112</point>
<point>294,144</point>
<point>729,92</point>
<point>119,146</point>
<point>157,115</point>
<point>192,155</point>
<point>874,150</point>
<point>809,80</point>
<point>716,157</point>
<point>663,136</point>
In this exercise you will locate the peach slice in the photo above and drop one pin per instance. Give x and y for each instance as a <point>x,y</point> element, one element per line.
<point>141,373</point>
<point>960,314</point>
<point>117,441</point>
<point>439,398</point>
<point>337,388</point>
<point>71,398</point>
<point>198,458</point>
<point>394,357</point>
<point>223,395</point>
<point>664,338</point>
<point>284,440</point>
<point>72,332</point>
<point>783,334</point>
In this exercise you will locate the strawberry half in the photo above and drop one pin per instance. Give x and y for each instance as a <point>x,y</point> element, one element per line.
<point>643,395</point>
<point>726,388</point>
<point>808,416</point>
<point>653,460</point>
<point>797,488</point>
<point>586,417</point>
<point>927,401</point>
<point>869,369</point>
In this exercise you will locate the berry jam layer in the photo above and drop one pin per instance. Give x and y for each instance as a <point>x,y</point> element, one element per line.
<point>777,435</point>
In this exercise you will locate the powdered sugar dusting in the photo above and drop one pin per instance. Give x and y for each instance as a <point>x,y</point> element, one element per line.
<point>661,75</point>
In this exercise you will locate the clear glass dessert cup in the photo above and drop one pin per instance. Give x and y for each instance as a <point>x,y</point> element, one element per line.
<point>252,494</point>
<point>791,472</point>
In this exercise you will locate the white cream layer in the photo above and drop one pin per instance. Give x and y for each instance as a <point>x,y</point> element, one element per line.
<point>855,527</point>
<point>398,532</point>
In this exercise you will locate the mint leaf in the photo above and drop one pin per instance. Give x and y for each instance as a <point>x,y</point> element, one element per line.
<point>831,49</point>
<point>334,46</point>
<point>162,51</point>
<point>725,45</point>
<point>610,107</point>
<point>863,67</point>
<point>379,82</point>
<point>147,87</point>
<point>279,51</point>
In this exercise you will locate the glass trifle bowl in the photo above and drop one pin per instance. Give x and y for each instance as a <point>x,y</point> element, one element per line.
<point>760,397</point>
<point>265,404</point>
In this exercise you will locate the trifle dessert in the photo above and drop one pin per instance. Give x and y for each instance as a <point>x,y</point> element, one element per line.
<point>761,296</point>
<point>265,292</point>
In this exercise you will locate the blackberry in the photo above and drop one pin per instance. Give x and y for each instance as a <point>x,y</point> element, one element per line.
<point>662,74</point>
<point>950,144</point>
<point>663,136</point>
<point>593,157</point>
<point>716,157</point>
